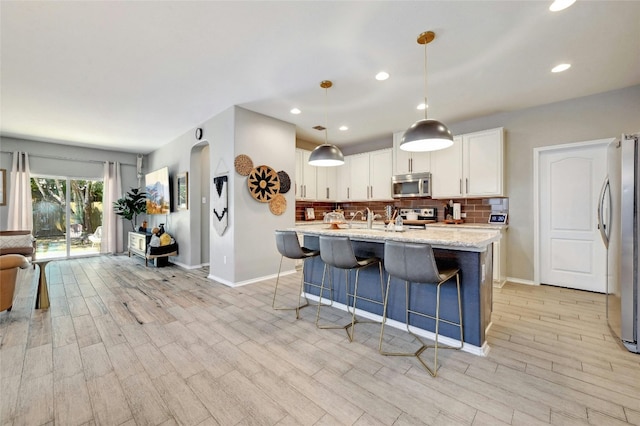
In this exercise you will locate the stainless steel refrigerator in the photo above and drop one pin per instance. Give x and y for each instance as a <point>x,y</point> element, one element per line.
<point>619,223</point>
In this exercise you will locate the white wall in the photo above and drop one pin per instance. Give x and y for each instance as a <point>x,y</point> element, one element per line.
<point>246,251</point>
<point>268,142</point>
<point>593,117</point>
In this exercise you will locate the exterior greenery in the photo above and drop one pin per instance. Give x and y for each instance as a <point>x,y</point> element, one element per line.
<point>50,203</point>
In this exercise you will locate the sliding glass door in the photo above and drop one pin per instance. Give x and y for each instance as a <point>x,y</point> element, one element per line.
<point>67,216</point>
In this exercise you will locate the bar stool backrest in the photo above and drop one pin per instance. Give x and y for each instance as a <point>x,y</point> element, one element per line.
<point>337,252</point>
<point>411,262</point>
<point>288,244</point>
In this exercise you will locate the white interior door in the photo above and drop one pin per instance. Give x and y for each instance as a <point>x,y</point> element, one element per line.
<point>571,251</point>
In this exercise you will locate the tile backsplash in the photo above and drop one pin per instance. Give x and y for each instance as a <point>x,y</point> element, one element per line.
<point>477,210</point>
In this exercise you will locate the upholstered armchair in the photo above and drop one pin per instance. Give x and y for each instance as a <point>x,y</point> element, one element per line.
<point>9,264</point>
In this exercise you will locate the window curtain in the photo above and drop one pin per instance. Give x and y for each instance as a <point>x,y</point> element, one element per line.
<point>20,202</point>
<point>112,227</point>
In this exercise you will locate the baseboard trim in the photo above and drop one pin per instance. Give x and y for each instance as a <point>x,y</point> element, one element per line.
<point>520,281</point>
<point>466,347</point>
<point>251,281</point>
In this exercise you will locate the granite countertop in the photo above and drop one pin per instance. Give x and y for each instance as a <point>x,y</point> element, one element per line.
<point>465,225</point>
<point>438,237</point>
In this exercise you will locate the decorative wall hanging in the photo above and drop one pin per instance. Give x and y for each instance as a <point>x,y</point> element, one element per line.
<point>220,207</point>
<point>278,204</point>
<point>285,181</point>
<point>243,164</point>
<point>263,183</point>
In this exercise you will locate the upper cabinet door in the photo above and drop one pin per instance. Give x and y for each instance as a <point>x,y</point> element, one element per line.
<point>326,183</point>
<point>380,170</point>
<point>305,176</point>
<point>446,171</point>
<point>483,162</point>
<point>405,162</point>
<point>344,180</point>
<point>472,167</point>
<point>359,177</point>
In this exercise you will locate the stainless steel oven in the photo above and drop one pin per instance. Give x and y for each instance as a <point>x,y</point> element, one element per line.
<point>411,185</point>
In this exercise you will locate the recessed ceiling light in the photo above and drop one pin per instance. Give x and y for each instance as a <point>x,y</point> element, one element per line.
<point>422,107</point>
<point>382,75</point>
<point>558,5</point>
<point>295,111</point>
<point>343,128</point>
<point>561,67</point>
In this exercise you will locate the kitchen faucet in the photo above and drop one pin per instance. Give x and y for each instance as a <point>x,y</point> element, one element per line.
<point>371,216</point>
<point>354,216</point>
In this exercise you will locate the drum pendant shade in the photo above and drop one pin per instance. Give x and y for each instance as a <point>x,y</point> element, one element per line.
<point>326,155</point>
<point>426,134</point>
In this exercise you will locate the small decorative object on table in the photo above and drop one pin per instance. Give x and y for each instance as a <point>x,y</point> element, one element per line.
<point>309,214</point>
<point>334,220</point>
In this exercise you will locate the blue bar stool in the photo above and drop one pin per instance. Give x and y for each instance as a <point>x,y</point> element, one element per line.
<point>415,265</point>
<point>289,247</point>
<point>337,252</point>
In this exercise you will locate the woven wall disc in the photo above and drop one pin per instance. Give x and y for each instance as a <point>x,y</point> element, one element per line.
<point>243,164</point>
<point>285,182</point>
<point>278,204</point>
<point>263,183</point>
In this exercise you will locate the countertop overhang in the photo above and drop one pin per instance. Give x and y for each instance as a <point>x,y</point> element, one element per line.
<point>439,237</point>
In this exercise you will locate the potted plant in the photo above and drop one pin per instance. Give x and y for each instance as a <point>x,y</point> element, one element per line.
<point>131,205</point>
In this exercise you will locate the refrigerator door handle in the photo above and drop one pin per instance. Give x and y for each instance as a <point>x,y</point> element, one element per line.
<point>604,228</point>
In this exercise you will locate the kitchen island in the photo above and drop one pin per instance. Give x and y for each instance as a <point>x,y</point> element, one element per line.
<point>468,249</point>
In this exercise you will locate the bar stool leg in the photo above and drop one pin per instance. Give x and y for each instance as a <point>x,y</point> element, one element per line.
<point>275,292</point>
<point>432,370</point>
<point>354,320</point>
<point>334,327</point>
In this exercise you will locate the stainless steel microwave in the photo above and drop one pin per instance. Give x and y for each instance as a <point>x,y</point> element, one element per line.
<point>411,185</point>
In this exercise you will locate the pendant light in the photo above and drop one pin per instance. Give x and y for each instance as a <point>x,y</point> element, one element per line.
<point>326,155</point>
<point>426,134</point>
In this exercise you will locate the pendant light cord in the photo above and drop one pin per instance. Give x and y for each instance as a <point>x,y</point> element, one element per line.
<point>326,115</point>
<point>425,81</point>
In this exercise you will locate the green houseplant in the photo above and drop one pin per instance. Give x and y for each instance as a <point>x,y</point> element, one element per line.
<point>131,205</point>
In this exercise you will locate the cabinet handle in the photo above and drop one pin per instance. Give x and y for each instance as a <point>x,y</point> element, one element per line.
<point>304,191</point>
<point>327,193</point>
<point>467,182</point>
<point>460,186</point>
<point>348,193</point>
<point>410,165</point>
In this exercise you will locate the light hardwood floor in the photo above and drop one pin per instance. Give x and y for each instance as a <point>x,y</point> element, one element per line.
<point>123,344</point>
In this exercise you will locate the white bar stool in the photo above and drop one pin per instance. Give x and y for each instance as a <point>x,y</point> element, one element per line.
<point>289,247</point>
<point>415,264</point>
<point>337,252</point>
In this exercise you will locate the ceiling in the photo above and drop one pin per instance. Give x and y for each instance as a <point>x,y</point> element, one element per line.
<point>134,75</point>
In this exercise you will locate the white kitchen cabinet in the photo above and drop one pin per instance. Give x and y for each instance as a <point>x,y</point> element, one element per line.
<point>380,171</point>
<point>326,183</point>
<point>405,162</point>
<point>359,177</point>
<point>370,175</point>
<point>343,174</point>
<point>472,167</point>
<point>305,176</point>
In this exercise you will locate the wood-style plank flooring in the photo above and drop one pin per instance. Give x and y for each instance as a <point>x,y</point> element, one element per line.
<point>127,345</point>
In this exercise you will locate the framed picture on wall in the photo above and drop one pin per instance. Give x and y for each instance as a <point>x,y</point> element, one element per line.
<point>3,187</point>
<point>183,190</point>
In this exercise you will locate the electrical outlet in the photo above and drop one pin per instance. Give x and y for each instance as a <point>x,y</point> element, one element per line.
<point>224,259</point>
<point>204,200</point>
<point>463,215</point>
